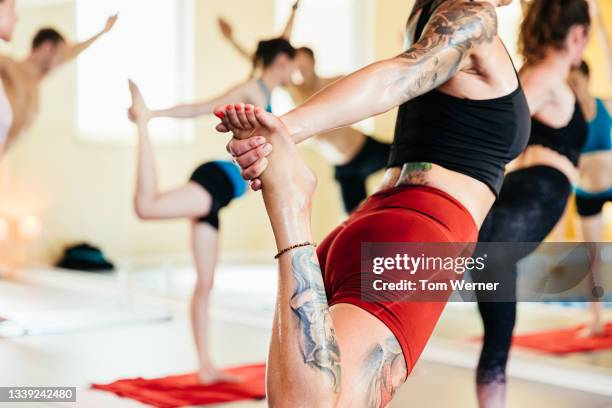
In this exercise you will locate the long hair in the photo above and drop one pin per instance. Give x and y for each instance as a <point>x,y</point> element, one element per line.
<point>547,24</point>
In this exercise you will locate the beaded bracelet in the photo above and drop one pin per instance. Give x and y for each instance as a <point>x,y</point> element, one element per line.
<point>284,251</point>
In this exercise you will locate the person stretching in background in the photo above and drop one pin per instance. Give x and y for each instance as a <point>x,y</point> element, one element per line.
<point>275,57</point>
<point>354,155</point>
<point>595,184</point>
<point>212,186</point>
<point>8,18</point>
<point>22,79</point>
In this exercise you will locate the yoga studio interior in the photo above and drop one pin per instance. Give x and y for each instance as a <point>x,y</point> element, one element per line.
<point>137,263</point>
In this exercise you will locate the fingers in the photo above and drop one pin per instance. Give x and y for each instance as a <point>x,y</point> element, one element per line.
<point>238,147</point>
<point>242,118</point>
<point>255,170</point>
<point>255,184</point>
<point>253,156</point>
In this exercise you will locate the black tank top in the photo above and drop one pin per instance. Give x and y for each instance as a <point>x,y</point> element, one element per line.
<point>567,141</point>
<point>473,137</point>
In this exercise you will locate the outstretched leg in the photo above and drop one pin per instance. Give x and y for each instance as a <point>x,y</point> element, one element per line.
<point>189,201</point>
<point>319,356</point>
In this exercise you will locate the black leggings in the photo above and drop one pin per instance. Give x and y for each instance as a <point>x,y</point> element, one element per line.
<point>352,176</point>
<point>530,204</point>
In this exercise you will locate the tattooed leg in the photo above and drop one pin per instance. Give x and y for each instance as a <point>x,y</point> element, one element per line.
<point>304,363</point>
<point>384,371</point>
<point>318,344</point>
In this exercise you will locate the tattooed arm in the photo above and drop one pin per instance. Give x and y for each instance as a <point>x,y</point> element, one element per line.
<point>449,39</point>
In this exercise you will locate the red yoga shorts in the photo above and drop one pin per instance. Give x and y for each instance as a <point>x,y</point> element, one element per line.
<point>400,214</point>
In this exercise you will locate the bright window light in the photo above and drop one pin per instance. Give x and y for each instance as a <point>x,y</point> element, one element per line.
<point>152,43</point>
<point>339,32</point>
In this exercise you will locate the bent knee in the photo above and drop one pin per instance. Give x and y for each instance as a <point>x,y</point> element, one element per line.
<point>144,208</point>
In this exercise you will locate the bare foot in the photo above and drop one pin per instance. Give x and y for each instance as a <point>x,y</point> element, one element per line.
<point>592,330</point>
<point>210,375</point>
<point>287,180</point>
<point>138,112</point>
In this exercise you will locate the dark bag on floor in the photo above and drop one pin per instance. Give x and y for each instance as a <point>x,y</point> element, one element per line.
<point>84,257</point>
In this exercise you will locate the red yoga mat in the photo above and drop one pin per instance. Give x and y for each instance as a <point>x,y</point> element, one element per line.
<point>565,341</point>
<point>184,390</point>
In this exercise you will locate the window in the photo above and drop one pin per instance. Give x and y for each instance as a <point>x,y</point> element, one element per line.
<point>339,31</point>
<point>152,43</point>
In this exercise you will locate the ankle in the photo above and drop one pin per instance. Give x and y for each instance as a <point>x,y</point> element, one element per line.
<point>290,228</point>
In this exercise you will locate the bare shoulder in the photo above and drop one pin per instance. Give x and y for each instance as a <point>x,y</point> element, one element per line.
<point>539,78</point>
<point>465,22</point>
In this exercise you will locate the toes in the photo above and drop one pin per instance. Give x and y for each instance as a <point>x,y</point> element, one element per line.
<point>266,119</point>
<point>222,128</point>
<point>244,122</point>
<point>249,111</point>
<point>220,113</point>
<point>232,117</point>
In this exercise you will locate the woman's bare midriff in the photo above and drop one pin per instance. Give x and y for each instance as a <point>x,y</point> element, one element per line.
<point>536,155</point>
<point>474,195</point>
<point>596,171</point>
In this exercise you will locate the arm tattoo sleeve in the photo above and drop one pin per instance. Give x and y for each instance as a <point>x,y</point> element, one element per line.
<point>384,371</point>
<point>451,33</point>
<point>309,304</point>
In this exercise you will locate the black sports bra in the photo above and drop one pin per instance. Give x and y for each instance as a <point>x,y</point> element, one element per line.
<point>473,137</point>
<point>567,141</point>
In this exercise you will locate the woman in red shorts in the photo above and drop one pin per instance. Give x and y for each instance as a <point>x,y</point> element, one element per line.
<point>463,117</point>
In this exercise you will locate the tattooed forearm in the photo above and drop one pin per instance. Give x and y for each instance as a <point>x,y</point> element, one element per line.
<point>384,371</point>
<point>414,173</point>
<point>452,32</point>
<point>309,303</point>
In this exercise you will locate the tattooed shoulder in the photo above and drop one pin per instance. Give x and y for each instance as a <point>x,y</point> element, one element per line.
<point>466,24</point>
<point>453,31</point>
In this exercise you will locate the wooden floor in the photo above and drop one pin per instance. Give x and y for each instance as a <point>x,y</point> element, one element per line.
<point>142,341</point>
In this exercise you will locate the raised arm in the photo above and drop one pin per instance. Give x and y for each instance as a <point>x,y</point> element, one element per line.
<point>74,50</point>
<point>286,34</point>
<point>605,41</point>
<point>445,47</point>
<point>228,33</point>
<point>238,93</point>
